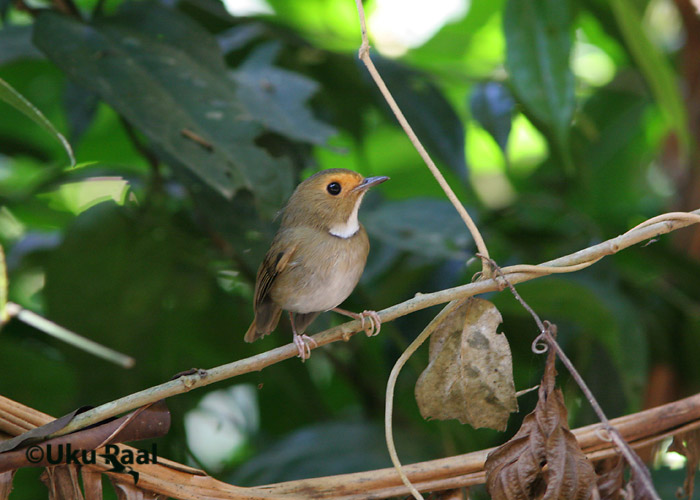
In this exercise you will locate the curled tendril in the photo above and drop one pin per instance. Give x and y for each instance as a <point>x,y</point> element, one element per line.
<point>603,434</point>
<point>540,345</point>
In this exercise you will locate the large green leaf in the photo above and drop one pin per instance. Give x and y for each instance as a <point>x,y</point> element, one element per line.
<point>656,68</point>
<point>425,226</point>
<point>16,43</point>
<point>538,48</point>
<point>167,77</point>
<point>492,106</point>
<point>20,103</point>
<point>276,97</point>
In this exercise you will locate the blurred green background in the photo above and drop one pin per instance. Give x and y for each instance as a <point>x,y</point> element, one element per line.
<point>559,124</point>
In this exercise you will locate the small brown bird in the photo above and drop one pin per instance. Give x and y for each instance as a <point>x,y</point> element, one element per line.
<point>316,257</point>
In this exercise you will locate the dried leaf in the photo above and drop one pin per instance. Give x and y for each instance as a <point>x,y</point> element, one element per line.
<point>152,422</point>
<point>470,374</point>
<point>688,445</point>
<point>6,483</point>
<point>40,433</point>
<point>543,459</point>
<point>611,478</point>
<point>128,491</point>
<point>92,483</point>
<point>62,482</point>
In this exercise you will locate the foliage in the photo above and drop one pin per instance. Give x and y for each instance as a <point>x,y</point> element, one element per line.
<point>191,126</point>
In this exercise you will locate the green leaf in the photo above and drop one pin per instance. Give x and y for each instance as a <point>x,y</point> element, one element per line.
<point>3,288</point>
<point>277,98</point>
<point>16,43</point>
<point>428,227</point>
<point>320,450</point>
<point>538,48</point>
<point>166,76</point>
<point>431,116</point>
<point>20,103</point>
<point>655,67</point>
<point>492,105</point>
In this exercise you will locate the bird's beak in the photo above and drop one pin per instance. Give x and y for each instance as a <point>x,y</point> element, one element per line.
<point>368,182</point>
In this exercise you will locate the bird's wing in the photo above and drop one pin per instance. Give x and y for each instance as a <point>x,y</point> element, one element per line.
<point>275,262</point>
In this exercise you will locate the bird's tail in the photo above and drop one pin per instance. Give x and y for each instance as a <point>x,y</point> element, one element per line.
<point>266,319</point>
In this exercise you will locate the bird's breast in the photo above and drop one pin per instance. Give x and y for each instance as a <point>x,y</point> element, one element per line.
<point>322,273</point>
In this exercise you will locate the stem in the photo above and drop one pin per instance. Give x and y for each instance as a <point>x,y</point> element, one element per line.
<point>365,58</point>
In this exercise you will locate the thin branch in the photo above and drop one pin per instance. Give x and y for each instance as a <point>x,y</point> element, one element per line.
<point>367,60</point>
<point>340,332</point>
<point>63,334</point>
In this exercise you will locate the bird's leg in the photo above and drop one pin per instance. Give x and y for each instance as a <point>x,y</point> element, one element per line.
<point>375,322</point>
<point>303,341</point>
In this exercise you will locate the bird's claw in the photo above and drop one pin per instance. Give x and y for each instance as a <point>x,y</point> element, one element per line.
<point>375,322</point>
<point>304,343</point>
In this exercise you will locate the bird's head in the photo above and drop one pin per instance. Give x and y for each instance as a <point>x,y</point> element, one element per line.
<point>329,200</point>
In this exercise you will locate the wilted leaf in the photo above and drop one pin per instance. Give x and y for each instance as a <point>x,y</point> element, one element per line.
<point>543,459</point>
<point>470,374</point>
<point>167,77</point>
<point>492,105</point>
<point>6,484</point>
<point>688,445</point>
<point>62,482</point>
<point>40,433</point>
<point>128,491</point>
<point>611,478</point>
<point>20,103</point>
<point>92,483</point>
<point>538,50</point>
<point>430,115</point>
<point>423,226</point>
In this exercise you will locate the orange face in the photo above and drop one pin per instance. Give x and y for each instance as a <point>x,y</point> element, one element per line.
<point>327,197</point>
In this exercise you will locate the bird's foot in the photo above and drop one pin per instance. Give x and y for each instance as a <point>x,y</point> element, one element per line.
<point>375,322</point>
<point>304,343</point>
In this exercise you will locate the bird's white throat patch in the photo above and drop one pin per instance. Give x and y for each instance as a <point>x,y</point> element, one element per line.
<point>350,226</point>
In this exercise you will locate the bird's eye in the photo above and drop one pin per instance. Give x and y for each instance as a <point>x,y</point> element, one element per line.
<point>333,188</point>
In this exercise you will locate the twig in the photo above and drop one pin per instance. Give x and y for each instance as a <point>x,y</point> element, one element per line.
<point>63,334</point>
<point>367,60</point>
<point>545,328</point>
<point>420,301</point>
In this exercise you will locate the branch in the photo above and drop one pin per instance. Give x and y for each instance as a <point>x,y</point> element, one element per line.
<point>367,60</point>
<point>175,480</point>
<point>662,224</point>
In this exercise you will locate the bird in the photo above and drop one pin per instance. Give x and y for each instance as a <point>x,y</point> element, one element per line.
<point>316,257</point>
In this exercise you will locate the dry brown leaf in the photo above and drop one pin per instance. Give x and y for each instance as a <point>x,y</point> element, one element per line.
<point>470,373</point>
<point>611,478</point>
<point>92,483</point>
<point>62,482</point>
<point>688,445</point>
<point>128,491</point>
<point>6,484</point>
<point>543,460</point>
